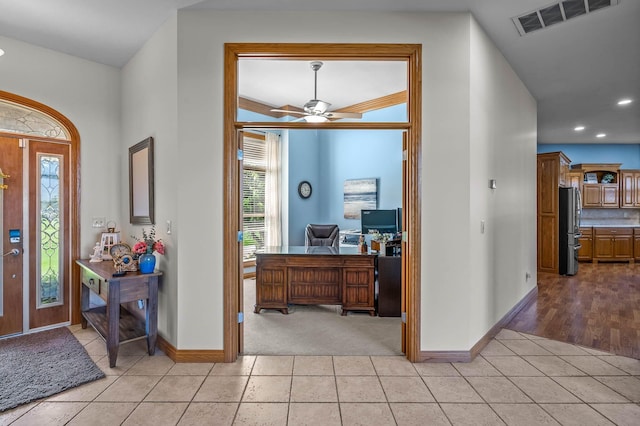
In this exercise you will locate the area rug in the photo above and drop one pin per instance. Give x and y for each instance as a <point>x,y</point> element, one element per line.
<point>38,365</point>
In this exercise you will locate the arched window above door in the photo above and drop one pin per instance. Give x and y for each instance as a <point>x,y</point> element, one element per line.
<point>20,119</point>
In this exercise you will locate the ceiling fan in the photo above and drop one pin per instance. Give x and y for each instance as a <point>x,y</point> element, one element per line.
<point>315,111</point>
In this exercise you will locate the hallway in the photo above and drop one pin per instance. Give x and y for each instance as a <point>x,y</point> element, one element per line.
<point>599,307</point>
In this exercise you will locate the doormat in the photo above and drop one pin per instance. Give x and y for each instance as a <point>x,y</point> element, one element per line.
<point>38,365</point>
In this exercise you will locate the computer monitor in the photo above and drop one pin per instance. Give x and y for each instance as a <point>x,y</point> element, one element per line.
<point>384,221</point>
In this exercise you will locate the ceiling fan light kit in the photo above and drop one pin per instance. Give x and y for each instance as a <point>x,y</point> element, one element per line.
<point>315,111</point>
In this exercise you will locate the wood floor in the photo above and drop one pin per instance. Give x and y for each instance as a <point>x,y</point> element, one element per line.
<point>599,307</point>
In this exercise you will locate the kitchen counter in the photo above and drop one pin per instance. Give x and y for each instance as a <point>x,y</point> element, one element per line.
<point>608,224</point>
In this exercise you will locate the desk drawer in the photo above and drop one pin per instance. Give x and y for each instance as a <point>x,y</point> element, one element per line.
<point>92,281</point>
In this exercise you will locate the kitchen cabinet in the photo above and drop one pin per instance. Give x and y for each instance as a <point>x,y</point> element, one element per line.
<point>630,188</point>
<point>601,185</point>
<point>552,172</point>
<point>575,178</point>
<point>613,244</point>
<point>586,244</point>
<point>600,195</point>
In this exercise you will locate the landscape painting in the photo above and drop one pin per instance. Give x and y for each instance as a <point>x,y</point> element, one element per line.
<point>359,194</point>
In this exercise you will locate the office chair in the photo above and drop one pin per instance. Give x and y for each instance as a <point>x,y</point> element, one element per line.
<point>322,235</point>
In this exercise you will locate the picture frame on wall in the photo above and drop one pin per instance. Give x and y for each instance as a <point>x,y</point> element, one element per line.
<point>359,194</point>
<point>141,183</point>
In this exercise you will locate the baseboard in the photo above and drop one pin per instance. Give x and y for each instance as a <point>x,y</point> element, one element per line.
<point>468,356</point>
<point>190,355</point>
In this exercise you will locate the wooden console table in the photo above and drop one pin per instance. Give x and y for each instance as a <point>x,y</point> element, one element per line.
<point>116,325</point>
<point>315,276</point>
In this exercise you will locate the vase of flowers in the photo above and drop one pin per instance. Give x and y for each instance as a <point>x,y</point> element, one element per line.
<point>145,248</point>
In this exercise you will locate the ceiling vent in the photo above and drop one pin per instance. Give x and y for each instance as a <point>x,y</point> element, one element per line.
<point>556,13</point>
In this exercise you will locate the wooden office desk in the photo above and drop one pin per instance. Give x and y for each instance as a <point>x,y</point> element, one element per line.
<point>315,276</point>
<point>116,325</point>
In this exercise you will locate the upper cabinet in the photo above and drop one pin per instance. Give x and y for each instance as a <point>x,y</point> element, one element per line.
<point>600,184</point>
<point>630,188</point>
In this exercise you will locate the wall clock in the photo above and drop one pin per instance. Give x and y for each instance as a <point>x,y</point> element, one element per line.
<point>304,189</point>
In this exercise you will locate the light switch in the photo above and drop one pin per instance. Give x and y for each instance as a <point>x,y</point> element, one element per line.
<point>482,226</point>
<point>168,227</point>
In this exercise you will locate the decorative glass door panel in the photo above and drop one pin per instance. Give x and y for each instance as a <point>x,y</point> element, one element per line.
<point>48,278</point>
<point>49,226</point>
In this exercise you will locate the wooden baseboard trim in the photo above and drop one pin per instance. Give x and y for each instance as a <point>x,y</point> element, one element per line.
<point>468,356</point>
<point>190,355</point>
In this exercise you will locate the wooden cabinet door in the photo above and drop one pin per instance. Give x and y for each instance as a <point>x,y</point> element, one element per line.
<point>591,195</point>
<point>586,249</point>
<point>636,189</point>
<point>575,179</point>
<point>623,247</point>
<point>603,247</point>
<point>628,189</point>
<point>636,243</point>
<point>610,195</point>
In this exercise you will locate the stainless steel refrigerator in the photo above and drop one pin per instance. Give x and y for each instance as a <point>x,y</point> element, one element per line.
<point>570,208</point>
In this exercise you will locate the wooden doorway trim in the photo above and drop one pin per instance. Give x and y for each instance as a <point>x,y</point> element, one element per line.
<point>74,187</point>
<point>413,158</point>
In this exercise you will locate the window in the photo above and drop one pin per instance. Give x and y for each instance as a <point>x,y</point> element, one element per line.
<point>253,194</point>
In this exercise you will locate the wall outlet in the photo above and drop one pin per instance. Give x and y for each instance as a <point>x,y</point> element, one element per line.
<point>98,222</point>
<point>527,275</point>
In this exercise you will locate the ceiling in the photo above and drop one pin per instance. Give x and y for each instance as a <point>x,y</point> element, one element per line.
<point>577,70</point>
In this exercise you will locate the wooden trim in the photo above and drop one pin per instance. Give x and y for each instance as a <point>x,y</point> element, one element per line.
<point>74,178</point>
<point>468,356</point>
<point>412,192</point>
<point>362,107</point>
<point>378,103</point>
<point>189,355</point>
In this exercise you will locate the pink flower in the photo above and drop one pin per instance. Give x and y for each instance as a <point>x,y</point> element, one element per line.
<point>159,247</point>
<point>140,247</point>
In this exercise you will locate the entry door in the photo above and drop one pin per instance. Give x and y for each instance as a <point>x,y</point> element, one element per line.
<point>44,245</point>
<point>11,205</point>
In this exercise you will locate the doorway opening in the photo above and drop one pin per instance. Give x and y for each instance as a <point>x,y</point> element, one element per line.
<point>233,272</point>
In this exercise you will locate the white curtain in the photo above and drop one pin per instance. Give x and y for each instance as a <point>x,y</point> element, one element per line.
<point>273,216</point>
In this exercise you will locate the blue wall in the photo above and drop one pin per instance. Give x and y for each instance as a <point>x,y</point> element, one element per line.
<point>627,154</point>
<point>326,158</point>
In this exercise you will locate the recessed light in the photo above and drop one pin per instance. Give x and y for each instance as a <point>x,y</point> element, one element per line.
<point>1,52</point>
<point>578,128</point>
<point>601,135</point>
<point>624,101</point>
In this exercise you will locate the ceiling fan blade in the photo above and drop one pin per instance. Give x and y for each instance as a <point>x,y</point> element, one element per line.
<point>342,115</point>
<point>288,111</point>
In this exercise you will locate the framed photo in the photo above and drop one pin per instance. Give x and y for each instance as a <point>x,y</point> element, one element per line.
<point>591,177</point>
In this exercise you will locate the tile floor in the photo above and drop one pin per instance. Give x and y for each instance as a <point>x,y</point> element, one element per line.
<point>517,380</point>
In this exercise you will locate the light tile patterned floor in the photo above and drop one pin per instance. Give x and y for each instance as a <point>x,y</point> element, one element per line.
<point>517,380</point>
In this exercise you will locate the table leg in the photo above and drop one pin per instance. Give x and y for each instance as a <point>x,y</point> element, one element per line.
<point>151,323</point>
<point>84,304</point>
<point>113,322</point>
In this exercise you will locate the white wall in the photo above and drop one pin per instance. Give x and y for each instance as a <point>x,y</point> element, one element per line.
<point>448,282</point>
<point>502,146</point>
<point>149,108</point>
<point>88,94</point>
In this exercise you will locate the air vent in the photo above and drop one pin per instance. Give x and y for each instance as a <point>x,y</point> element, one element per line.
<point>556,13</point>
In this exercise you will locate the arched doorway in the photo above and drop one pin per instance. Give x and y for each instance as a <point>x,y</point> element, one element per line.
<point>39,208</point>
